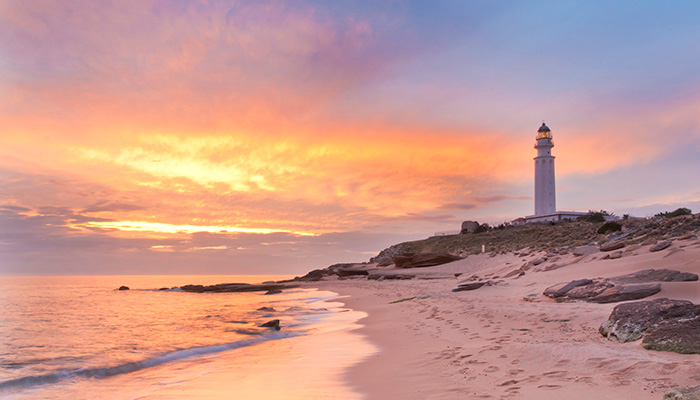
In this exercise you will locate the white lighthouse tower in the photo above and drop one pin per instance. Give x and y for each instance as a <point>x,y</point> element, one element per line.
<point>545,195</point>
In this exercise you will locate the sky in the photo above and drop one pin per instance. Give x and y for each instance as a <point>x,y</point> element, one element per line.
<point>276,137</point>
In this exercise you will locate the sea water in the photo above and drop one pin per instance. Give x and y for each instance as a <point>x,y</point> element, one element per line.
<point>78,337</point>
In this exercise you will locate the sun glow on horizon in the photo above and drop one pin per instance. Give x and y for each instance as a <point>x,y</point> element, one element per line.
<point>159,227</point>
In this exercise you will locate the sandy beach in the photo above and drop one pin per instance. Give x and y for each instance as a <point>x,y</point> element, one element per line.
<point>491,343</point>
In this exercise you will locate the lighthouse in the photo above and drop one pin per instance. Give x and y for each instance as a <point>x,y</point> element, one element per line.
<point>545,195</point>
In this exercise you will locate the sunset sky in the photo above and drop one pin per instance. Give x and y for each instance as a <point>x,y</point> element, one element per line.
<point>255,137</point>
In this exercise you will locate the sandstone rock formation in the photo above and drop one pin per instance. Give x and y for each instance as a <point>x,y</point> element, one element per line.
<point>417,260</point>
<point>632,286</point>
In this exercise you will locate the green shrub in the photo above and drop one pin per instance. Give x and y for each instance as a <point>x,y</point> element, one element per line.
<point>676,213</point>
<point>609,227</point>
<point>594,216</point>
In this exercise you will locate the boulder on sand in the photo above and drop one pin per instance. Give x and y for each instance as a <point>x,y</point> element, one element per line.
<point>471,286</point>
<point>610,246</point>
<point>418,260</point>
<point>665,325</point>
<point>660,246</point>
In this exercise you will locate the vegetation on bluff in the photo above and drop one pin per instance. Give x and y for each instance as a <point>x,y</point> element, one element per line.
<point>541,236</point>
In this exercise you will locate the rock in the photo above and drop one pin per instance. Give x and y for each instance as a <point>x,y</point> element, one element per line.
<point>235,287</point>
<point>615,255</point>
<point>380,275</point>
<point>273,291</point>
<point>538,261</point>
<point>275,323</point>
<point>469,227</point>
<point>660,246</point>
<point>584,251</point>
<point>618,293</point>
<point>677,335</point>
<point>656,275</point>
<point>684,393</point>
<point>561,289</point>
<point>266,309</point>
<point>164,288</point>
<point>471,286</point>
<point>417,260</point>
<point>123,288</point>
<point>514,273</point>
<point>354,270</point>
<point>630,321</point>
<point>649,241</point>
<point>610,246</point>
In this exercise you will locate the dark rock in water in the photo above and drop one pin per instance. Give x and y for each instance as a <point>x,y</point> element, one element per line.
<point>471,286</point>
<point>418,260</point>
<point>164,288</point>
<point>123,288</point>
<point>274,291</point>
<point>235,287</point>
<point>275,323</point>
<point>660,246</point>
<point>677,335</point>
<point>266,309</point>
<point>656,275</point>
<point>631,321</point>
<point>610,246</point>
<point>684,393</point>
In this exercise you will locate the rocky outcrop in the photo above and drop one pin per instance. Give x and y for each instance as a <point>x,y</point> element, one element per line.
<point>418,260</point>
<point>664,325</point>
<point>274,324</point>
<point>633,286</point>
<point>123,288</point>
<point>235,287</point>
<point>660,246</point>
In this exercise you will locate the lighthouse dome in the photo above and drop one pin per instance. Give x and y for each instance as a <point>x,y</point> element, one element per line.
<point>544,132</point>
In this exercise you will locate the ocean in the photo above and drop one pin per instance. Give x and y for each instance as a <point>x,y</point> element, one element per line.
<point>74,337</point>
